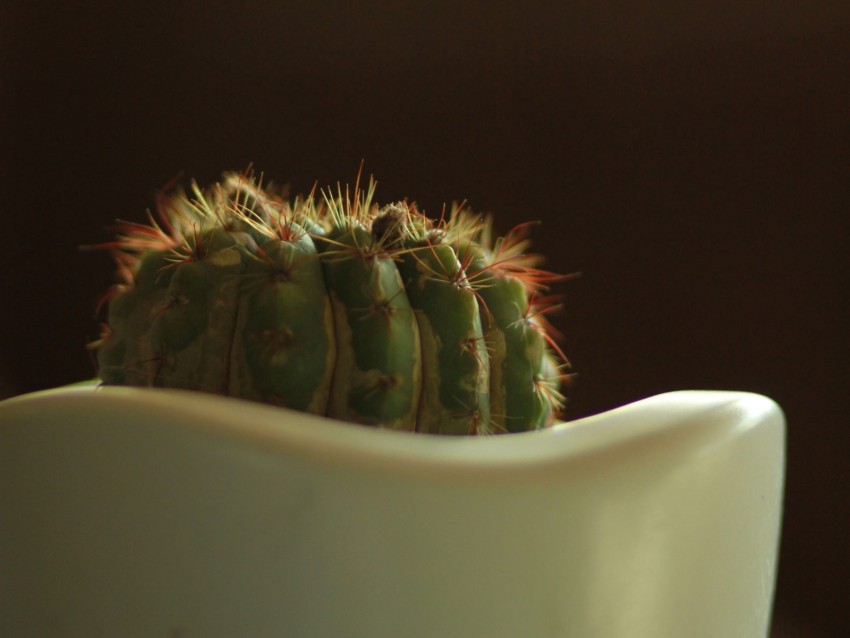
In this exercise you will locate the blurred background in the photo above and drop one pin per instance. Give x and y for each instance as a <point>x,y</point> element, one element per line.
<point>692,160</point>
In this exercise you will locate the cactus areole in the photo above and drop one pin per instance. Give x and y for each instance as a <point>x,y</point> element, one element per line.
<point>334,306</point>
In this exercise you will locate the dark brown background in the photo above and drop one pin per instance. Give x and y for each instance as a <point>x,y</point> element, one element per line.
<point>691,159</point>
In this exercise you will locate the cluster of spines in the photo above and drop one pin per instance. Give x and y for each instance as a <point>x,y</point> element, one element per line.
<point>333,305</point>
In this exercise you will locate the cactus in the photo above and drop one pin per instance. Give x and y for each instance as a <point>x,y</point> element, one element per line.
<point>333,305</point>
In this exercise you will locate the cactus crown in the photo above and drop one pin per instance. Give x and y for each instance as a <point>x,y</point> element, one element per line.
<point>334,305</point>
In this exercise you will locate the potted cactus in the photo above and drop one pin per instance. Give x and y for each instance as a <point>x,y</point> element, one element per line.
<point>335,306</point>
<point>199,487</point>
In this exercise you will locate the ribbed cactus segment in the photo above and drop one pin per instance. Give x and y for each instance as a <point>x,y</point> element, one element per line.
<point>524,380</point>
<point>124,354</point>
<point>455,393</point>
<point>192,331</point>
<point>284,348</point>
<point>548,388</point>
<point>333,306</point>
<point>170,327</point>
<point>518,404</point>
<point>378,372</point>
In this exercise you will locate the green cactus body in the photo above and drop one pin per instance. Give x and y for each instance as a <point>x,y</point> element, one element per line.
<point>455,393</point>
<point>124,354</point>
<point>378,374</point>
<point>376,316</point>
<point>518,361</point>
<point>191,331</point>
<point>283,350</point>
<point>524,377</point>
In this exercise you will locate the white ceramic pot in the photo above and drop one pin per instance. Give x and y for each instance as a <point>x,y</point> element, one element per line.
<point>132,512</point>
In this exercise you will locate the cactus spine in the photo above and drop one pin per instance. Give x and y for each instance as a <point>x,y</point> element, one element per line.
<point>335,306</point>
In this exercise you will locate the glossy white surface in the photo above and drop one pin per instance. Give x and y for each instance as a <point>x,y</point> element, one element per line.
<point>131,512</point>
